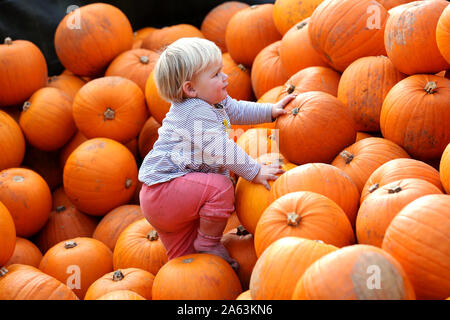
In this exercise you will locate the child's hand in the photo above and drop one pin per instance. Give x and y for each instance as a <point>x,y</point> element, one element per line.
<point>278,108</point>
<point>266,173</point>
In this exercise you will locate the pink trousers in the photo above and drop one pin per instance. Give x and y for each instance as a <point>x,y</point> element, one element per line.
<point>174,208</point>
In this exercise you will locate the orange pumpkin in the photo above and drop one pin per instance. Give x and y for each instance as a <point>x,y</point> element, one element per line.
<point>25,252</point>
<point>77,262</point>
<point>239,79</point>
<point>418,238</point>
<point>342,31</point>
<point>358,272</point>
<point>70,84</point>
<point>140,35</point>
<point>121,295</point>
<point>102,26</point>
<point>303,214</point>
<point>389,4</point>
<point>258,141</point>
<point>302,138</point>
<point>381,206</point>
<point>148,136</point>
<point>12,142</point>
<point>443,34</point>
<point>416,128</point>
<point>444,169</point>
<point>24,70</point>
<point>87,177</point>
<point>198,276</point>
<point>157,106</point>
<point>282,264</point>
<point>410,37</point>
<point>46,119</point>
<point>249,31</point>
<point>27,197</point>
<point>161,38</point>
<point>15,285</point>
<point>287,13</point>
<point>110,107</point>
<point>214,25</point>
<point>8,235</point>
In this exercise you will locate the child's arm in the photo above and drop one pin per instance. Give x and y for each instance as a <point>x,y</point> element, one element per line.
<point>247,112</point>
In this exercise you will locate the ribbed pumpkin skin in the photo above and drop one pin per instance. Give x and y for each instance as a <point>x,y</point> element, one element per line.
<point>321,178</point>
<point>24,70</point>
<point>443,34</point>
<point>101,26</point>
<point>380,207</point>
<point>110,107</point>
<point>148,136</point>
<point>418,238</point>
<point>114,222</point>
<point>87,177</point>
<point>161,38</point>
<point>92,258</point>
<point>135,65</point>
<point>345,30</point>
<point>157,106</point>
<point>47,120</point>
<point>363,157</point>
<point>8,235</point>
<point>258,141</point>
<point>349,273</point>
<point>410,37</point>
<point>134,279</point>
<point>267,70</point>
<point>70,84</point>
<point>214,25</point>
<point>399,169</point>
<point>282,264</point>
<point>444,169</point>
<point>388,4</point>
<point>296,51</point>
<point>28,199</point>
<point>239,79</point>
<point>139,246</point>
<point>302,135</point>
<point>15,285</point>
<point>415,127</point>
<point>198,276</point>
<point>25,252</point>
<point>12,142</point>
<point>286,13</point>
<point>303,214</point>
<point>363,87</point>
<point>121,295</point>
<point>249,31</point>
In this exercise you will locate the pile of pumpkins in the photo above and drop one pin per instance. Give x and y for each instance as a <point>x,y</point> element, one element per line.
<point>362,210</point>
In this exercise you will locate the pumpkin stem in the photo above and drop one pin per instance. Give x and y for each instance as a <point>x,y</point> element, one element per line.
<point>144,59</point>
<point>295,111</point>
<point>242,67</point>
<point>189,260</point>
<point>52,78</point>
<point>70,244</point>
<point>290,88</point>
<point>301,25</point>
<point>128,183</point>
<point>241,231</point>
<point>26,105</point>
<point>118,275</point>
<point>430,87</point>
<point>8,41</point>
<point>3,271</point>
<point>348,157</point>
<point>109,114</point>
<point>152,235</point>
<point>60,208</point>
<point>395,189</point>
<point>18,179</point>
<point>293,219</point>
<point>373,187</point>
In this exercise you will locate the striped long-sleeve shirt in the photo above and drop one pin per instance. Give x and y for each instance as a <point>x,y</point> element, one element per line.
<point>194,138</point>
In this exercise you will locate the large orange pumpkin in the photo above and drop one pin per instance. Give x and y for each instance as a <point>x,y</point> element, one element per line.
<point>286,13</point>
<point>110,107</point>
<point>303,214</point>
<point>8,235</point>
<point>443,34</point>
<point>100,25</point>
<point>47,120</point>
<point>410,37</point>
<point>215,23</point>
<point>70,84</point>
<point>249,31</point>
<point>363,87</point>
<point>418,238</point>
<point>12,142</point>
<point>28,199</point>
<point>444,169</point>
<point>198,276</point>
<point>24,70</point>
<point>25,252</point>
<point>358,272</point>
<point>77,262</point>
<point>345,30</point>
<point>239,79</point>
<point>157,106</point>
<point>282,264</point>
<point>87,177</point>
<point>410,113</point>
<point>302,137</point>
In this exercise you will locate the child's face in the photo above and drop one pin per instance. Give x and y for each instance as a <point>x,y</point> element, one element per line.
<point>211,84</point>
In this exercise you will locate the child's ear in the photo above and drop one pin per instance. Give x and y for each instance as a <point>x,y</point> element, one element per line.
<point>189,90</point>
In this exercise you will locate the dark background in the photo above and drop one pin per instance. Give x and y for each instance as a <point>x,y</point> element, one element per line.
<point>36,21</point>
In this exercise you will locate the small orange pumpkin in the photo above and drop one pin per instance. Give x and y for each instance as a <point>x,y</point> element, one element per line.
<point>12,142</point>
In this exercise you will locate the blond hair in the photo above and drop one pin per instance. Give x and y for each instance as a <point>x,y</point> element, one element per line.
<point>181,61</point>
